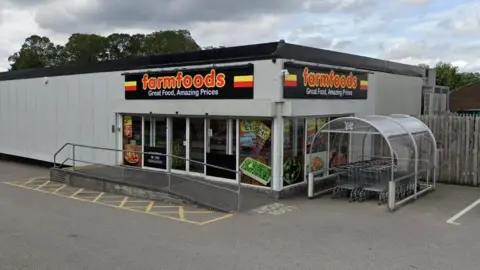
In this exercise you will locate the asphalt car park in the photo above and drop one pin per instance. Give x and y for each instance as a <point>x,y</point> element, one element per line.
<point>45,225</point>
<point>169,210</point>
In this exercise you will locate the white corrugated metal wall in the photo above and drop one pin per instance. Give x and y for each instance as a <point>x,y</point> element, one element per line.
<point>36,118</point>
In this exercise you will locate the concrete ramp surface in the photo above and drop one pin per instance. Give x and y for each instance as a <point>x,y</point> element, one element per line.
<point>212,194</point>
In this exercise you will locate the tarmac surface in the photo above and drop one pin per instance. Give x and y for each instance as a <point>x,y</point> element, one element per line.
<point>43,230</point>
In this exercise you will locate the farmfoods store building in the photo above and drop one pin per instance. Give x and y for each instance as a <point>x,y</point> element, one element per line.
<point>252,108</point>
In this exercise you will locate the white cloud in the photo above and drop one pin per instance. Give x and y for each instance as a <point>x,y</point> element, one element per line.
<point>409,31</point>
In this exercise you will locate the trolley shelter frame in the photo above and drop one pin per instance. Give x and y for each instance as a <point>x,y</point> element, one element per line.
<point>401,134</point>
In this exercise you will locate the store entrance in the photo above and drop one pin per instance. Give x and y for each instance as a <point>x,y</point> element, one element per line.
<point>220,149</point>
<point>196,145</point>
<point>192,142</point>
<point>179,143</point>
<point>155,141</point>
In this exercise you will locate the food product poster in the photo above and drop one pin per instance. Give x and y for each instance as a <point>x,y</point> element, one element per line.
<point>256,170</point>
<point>292,169</point>
<point>321,122</point>
<point>132,155</point>
<point>311,129</point>
<point>127,126</point>
<point>317,161</point>
<point>253,134</point>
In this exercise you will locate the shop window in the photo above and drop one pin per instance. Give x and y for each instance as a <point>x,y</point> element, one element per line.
<point>293,151</point>
<point>255,152</point>
<point>339,148</point>
<point>317,152</point>
<point>132,140</point>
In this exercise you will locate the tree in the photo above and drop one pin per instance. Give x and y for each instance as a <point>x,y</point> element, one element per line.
<point>450,75</point>
<point>80,48</point>
<point>36,52</point>
<point>170,41</point>
<point>85,49</point>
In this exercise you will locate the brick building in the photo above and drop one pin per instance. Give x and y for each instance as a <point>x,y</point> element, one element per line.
<point>465,98</point>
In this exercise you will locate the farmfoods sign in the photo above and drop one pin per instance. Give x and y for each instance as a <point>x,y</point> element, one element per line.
<point>309,82</point>
<point>211,83</point>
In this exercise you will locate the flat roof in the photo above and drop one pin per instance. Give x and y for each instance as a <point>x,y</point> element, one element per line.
<point>262,51</point>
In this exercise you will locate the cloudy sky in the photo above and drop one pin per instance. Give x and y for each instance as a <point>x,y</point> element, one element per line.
<point>409,31</point>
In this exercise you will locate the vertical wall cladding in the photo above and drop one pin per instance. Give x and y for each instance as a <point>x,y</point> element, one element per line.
<point>398,94</point>
<point>36,118</point>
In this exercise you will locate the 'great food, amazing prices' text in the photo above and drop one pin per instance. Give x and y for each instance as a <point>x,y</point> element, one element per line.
<point>184,85</point>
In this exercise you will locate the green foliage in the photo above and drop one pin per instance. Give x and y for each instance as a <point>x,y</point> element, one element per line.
<point>450,75</point>
<point>83,48</point>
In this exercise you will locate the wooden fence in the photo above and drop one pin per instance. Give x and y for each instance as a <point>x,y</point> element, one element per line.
<point>458,141</point>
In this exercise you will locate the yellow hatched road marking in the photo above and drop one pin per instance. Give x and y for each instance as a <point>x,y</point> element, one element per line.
<point>149,207</point>
<point>42,185</point>
<point>101,195</point>
<point>105,204</point>
<point>215,219</point>
<point>181,212</point>
<point>98,197</point>
<point>123,202</point>
<point>58,189</point>
<point>31,180</point>
<point>76,193</point>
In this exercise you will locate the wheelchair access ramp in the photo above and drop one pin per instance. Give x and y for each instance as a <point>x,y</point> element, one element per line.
<point>160,185</point>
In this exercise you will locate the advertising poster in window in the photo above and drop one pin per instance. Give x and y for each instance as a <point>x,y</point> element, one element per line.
<point>311,82</point>
<point>317,159</point>
<point>255,151</point>
<point>131,155</point>
<point>127,127</point>
<point>132,129</point>
<point>234,82</point>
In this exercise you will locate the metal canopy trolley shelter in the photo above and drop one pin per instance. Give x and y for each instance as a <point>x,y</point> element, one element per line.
<point>391,159</point>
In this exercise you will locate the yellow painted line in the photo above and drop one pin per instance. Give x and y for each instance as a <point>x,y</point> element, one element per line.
<point>109,205</point>
<point>149,207</point>
<point>215,219</point>
<point>44,184</point>
<point>30,181</point>
<point>165,206</point>
<point>58,189</point>
<point>181,212</point>
<point>76,193</point>
<point>138,201</point>
<point>98,197</point>
<point>123,202</point>
<point>152,203</point>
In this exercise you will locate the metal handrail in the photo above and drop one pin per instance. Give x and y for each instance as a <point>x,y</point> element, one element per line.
<point>159,172</point>
<point>56,153</point>
<point>141,152</point>
<point>169,156</point>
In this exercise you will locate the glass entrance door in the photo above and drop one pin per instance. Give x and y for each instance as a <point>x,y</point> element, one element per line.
<point>179,142</point>
<point>196,145</point>
<point>155,142</point>
<point>220,148</point>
